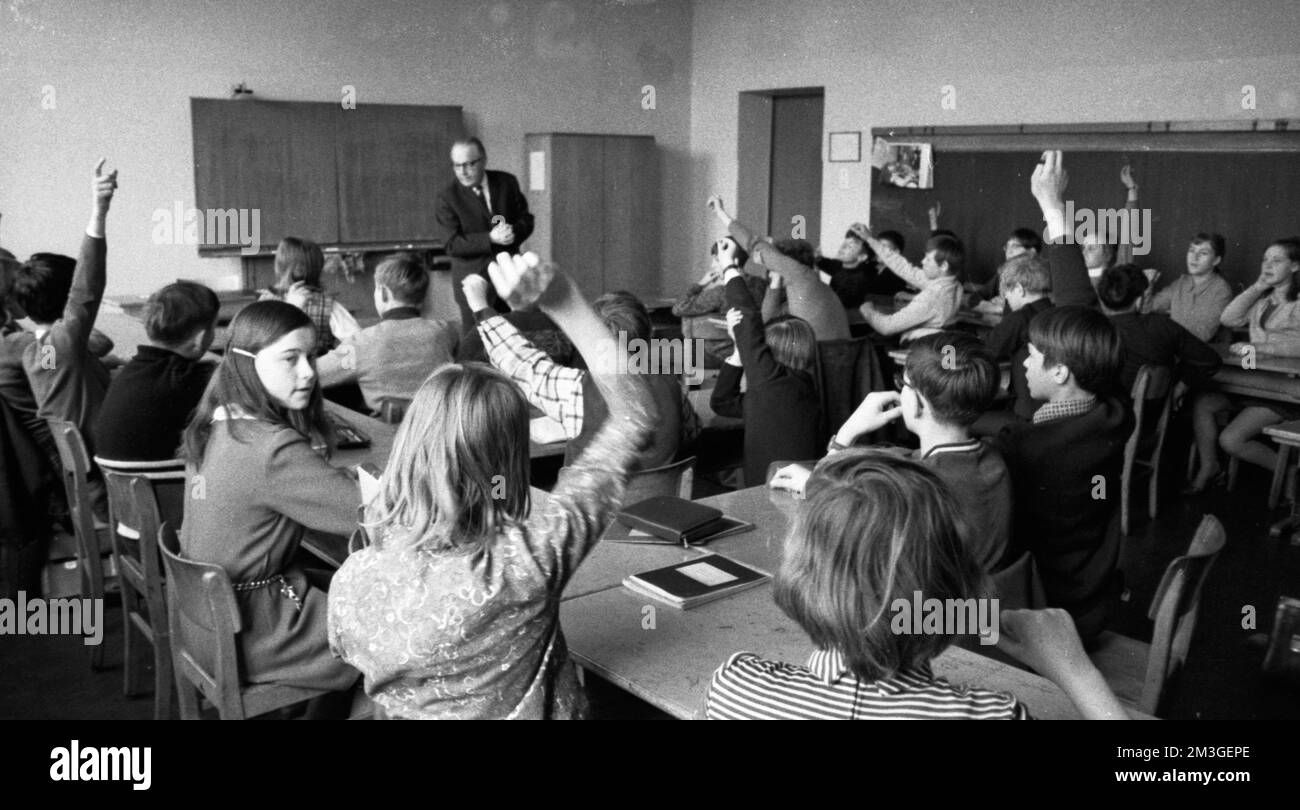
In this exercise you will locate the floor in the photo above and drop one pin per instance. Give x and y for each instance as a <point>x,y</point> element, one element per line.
<point>48,677</point>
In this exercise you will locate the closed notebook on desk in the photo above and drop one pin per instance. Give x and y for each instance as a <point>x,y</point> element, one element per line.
<point>669,519</point>
<point>694,582</point>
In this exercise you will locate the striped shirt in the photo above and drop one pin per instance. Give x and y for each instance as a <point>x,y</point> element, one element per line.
<point>750,688</point>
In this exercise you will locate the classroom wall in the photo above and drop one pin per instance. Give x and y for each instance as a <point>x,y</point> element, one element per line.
<point>120,76</point>
<point>886,64</point>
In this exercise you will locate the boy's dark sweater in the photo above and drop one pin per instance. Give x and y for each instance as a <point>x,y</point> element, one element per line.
<point>978,476</point>
<point>1155,339</point>
<point>854,284</point>
<point>1009,340</point>
<point>148,405</point>
<point>780,407</point>
<point>1054,472</point>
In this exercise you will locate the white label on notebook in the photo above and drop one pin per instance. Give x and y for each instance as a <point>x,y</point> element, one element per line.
<point>706,574</point>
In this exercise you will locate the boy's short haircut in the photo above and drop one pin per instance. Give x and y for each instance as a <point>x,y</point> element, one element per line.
<point>42,284</point>
<point>1084,341</point>
<point>404,277</point>
<point>876,528</point>
<point>741,255</point>
<point>1028,238</point>
<point>801,250</point>
<point>1031,272</point>
<point>1215,240</point>
<point>894,238</point>
<point>302,259</point>
<point>623,313</point>
<point>947,249</point>
<point>174,313</point>
<point>956,374</point>
<point>792,341</point>
<point>1120,286</point>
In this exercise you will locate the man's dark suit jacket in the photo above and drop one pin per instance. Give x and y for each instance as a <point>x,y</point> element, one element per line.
<point>464,225</point>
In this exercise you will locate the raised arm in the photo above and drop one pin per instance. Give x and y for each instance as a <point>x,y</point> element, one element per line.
<point>555,389</point>
<point>890,258</point>
<point>88,280</point>
<point>1070,282</point>
<point>1124,250</point>
<point>761,249</point>
<point>755,355</point>
<point>589,491</point>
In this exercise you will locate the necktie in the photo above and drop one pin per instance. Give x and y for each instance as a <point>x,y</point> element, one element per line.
<point>478,192</point>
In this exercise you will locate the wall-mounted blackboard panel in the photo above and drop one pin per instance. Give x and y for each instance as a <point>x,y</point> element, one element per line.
<point>368,175</point>
<point>1245,185</point>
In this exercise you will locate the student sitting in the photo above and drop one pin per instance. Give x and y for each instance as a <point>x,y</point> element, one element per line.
<point>393,357</point>
<point>67,381</point>
<point>874,529</point>
<point>151,399</point>
<point>949,380</point>
<point>453,612</point>
<point>809,299</point>
<point>1066,465</point>
<point>1271,310</point>
<point>1151,339</point>
<point>1100,251</point>
<point>780,406</point>
<point>298,267</point>
<point>536,328</point>
<point>1197,299</point>
<point>256,486</point>
<point>940,295</point>
<point>1022,242</point>
<point>855,273</point>
<point>1025,284</point>
<point>707,297</point>
<point>570,396</point>
<point>1071,284</point>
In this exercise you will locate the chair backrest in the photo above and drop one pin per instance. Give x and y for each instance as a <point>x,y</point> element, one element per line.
<point>76,483</point>
<point>392,410</point>
<point>134,518</point>
<point>1174,608</point>
<point>1151,389</point>
<point>847,370</point>
<point>203,617</point>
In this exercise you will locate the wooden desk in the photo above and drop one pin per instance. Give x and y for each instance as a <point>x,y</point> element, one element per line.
<point>1274,377</point>
<point>670,664</point>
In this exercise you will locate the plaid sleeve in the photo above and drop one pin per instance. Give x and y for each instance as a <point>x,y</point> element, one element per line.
<point>555,389</point>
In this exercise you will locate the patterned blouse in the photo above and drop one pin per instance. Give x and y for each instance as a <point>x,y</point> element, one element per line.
<point>319,307</point>
<point>449,633</point>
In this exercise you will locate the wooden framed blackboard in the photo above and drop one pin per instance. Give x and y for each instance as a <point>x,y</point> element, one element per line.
<point>1242,182</point>
<point>360,176</point>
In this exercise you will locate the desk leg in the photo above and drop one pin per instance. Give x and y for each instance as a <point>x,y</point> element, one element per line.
<point>1279,475</point>
<point>1293,522</point>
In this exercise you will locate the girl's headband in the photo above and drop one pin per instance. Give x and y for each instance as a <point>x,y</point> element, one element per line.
<point>244,352</point>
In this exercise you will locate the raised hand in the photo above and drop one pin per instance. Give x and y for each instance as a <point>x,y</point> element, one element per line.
<point>714,204</point>
<point>861,231</point>
<point>521,280</point>
<point>103,187</point>
<point>792,478</point>
<point>475,288</point>
<point>1049,180</point>
<point>1126,177</point>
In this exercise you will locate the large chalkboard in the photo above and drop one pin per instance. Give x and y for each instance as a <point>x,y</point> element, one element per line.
<point>1243,184</point>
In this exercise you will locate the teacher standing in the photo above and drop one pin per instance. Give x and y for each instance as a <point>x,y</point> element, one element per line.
<point>479,215</point>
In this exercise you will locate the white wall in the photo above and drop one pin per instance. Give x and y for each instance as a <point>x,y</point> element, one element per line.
<point>884,64</point>
<point>122,74</point>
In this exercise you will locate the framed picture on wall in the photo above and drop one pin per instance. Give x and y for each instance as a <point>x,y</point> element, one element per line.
<point>905,165</point>
<point>846,147</point>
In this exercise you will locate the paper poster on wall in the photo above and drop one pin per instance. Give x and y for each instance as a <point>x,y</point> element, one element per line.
<point>904,165</point>
<point>536,171</point>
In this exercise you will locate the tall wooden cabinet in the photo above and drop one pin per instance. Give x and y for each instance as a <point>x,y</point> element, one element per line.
<point>596,202</point>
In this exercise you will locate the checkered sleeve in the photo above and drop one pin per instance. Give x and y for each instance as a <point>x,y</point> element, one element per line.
<point>555,389</point>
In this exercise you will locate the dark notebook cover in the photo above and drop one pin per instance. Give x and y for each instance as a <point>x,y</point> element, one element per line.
<point>694,582</point>
<point>674,519</point>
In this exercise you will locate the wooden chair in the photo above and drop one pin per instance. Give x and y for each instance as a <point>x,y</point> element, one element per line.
<point>134,516</point>
<point>204,622</point>
<point>1138,672</point>
<point>671,479</point>
<point>392,410</point>
<point>1151,394</point>
<point>91,546</point>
